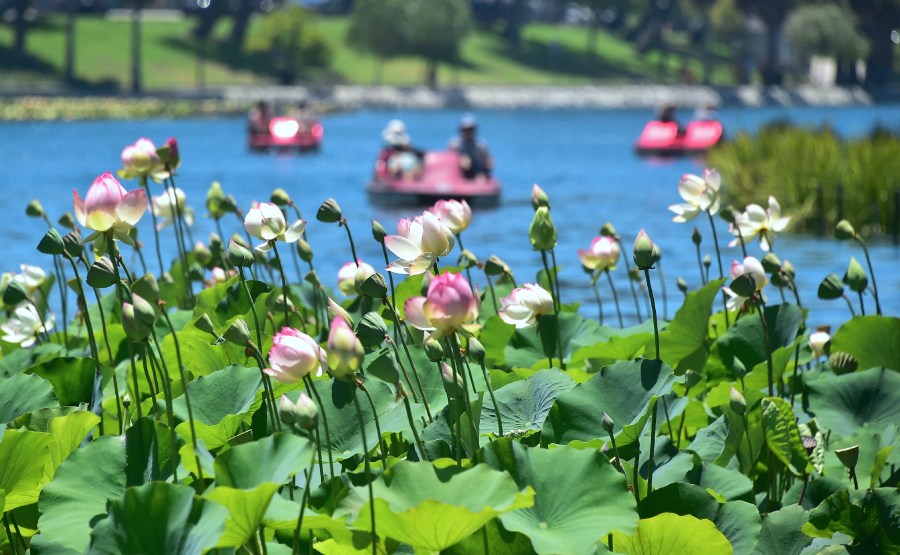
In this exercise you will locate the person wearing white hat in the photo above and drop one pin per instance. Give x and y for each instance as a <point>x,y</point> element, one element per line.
<point>398,157</point>
<point>474,158</point>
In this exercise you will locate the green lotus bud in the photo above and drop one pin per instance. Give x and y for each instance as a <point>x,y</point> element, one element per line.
<point>788,269</point>
<point>215,197</point>
<point>467,259</point>
<point>737,402</point>
<point>34,209</point>
<point>138,326</point>
<point>67,220</point>
<point>635,275</point>
<point>656,253</point>
<point>729,213</point>
<point>280,197</point>
<point>744,285</point>
<point>848,456</point>
<point>682,285</point>
<point>476,350</point>
<point>337,310</point>
<point>378,231</point>
<point>313,278</point>
<point>239,239</point>
<point>434,350</point>
<point>371,330</point>
<point>739,369</point>
<point>204,323</point>
<point>286,409</point>
<point>195,271</point>
<point>51,243</point>
<point>216,245</point>
<point>229,205</point>
<point>831,288</point>
<point>102,273</point>
<point>493,266</point>
<point>329,212</point>
<point>691,378</point>
<point>696,238</point>
<point>238,333</point>
<point>14,293</point>
<point>542,231</point>
<point>607,230</point>
<point>203,255</point>
<point>304,412</point>
<point>147,288</point>
<point>844,230</point>
<point>453,383</point>
<point>73,243</point>
<point>771,263</point>
<point>144,310</point>
<point>707,261</point>
<point>607,422</point>
<point>304,250</point>
<point>373,286</point>
<point>539,198</point>
<point>855,278</point>
<point>281,303</point>
<point>239,256</point>
<point>643,253</point>
<point>842,363</point>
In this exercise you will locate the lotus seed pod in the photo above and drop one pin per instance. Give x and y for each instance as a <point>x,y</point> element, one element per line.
<point>204,323</point>
<point>434,350</point>
<point>831,288</point>
<point>771,263</point>
<point>34,209</point>
<point>51,243</point>
<point>842,363</point>
<point>737,402</point>
<point>467,259</point>
<point>237,333</point>
<point>229,204</point>
<point>102,273</point>
<point>856,278</point>
<point>848,456</point>
<point>682,285</point>
<point>73,243</point>
<point>476,350</point>
<point>373,286</point>
<point>378,231</point>
<point>280,197</point>
<point>329,212</point>
<point>67,220</point>
<point>215,197</point>
<point>453,383</point>
<point>493,266</point>
<point>304,250</point>
<point>608,230</point>
<point>148,288</point>
<point>691,378</point>
<point>371,330</point>
<point>744,285</point>
<point>14,294</point>
<point>844,230</point>
<point>239,255</point>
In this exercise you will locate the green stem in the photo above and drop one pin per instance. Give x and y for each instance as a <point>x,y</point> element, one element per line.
<point>712,225</point>
<point>862,307</point>
<point>346,226</point>
<point>770,371</point>
<point>849,304</point>
<point>559,346</point>
<point>871,273</point>
<point>662,290</point>
<point>409,358</point>
<point>458,368</point>
<point>253,311</point>
<point>284,287</point>
<point>9,536</point>
<point>490,388</point>
<point>401,391</point>
<point>700,266</point>
<point>390,274</point>
<point>167,393</point>
<point>382,448</point>
<point>652,454</point>
<point>393,345</point>
<point>146,187</point>
<point>267,386</point>
<point>96,404</point>
<point>493,293</point>
<point>303,501</point>
<point>368,470</point>
<point>315,394</point>
<point>653,311</point>
<point>64,301</point>
<point>637,304</point>
<point>615,295</point>
<point>599,301</point>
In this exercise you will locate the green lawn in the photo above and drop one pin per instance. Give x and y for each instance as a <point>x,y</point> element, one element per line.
<point>547,55</point>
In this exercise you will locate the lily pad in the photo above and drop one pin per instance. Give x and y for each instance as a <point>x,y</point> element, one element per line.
<point>23,393</point>
<point>671,534</point>
<point>247,510</point>
<point>272,459</point>
<point>782,532</point>
<point>846,403</point>
<point>525,404</point>
<point>873,340</point>
<point>26,462</point>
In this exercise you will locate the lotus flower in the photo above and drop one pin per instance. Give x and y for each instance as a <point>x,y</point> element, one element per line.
<point>24,326</point>
<point>31,277</point>
<point>752,266</point>
<point>108,206</point>
<point>817,342</point>
<point>602,255</point>
<point>345,351</point>
<point>418,243</point>
<point>141,159</point>
<point>700,194</point>
<point>524,305</point>
<point>455,214</point>
<point>170,203</point>
<point>347,276</point>
<point>448,305</point>
<point>294,355</point>
<point>266,221</point>
<point>756,220</point>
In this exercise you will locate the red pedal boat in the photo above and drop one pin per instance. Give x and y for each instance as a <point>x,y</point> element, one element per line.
<point>441,179</point>
<point>662,138</point>
<point>287,134</point>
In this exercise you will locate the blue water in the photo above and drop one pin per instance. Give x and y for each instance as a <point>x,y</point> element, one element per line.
<point>583,159</point>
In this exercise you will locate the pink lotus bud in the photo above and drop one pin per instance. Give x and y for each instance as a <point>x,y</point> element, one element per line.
<point>345,351</point>
<point>455,214</point>
<point>294,355</point>
<point>602,256</point>
<point>448,305</point>
<point>347,276</point>
<point>140,158</point>
<point>108,204</point>
<point>522,307</point>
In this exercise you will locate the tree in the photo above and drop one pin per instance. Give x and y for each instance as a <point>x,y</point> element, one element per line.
<point>290,36</point>
<point>773,14</point>
<point>827,30</point>
<point>374,29</point>
<point>878,19</point>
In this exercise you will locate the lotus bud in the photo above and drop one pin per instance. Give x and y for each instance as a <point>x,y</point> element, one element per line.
<point>656,253</point>
<point>842,363</point>
<point>34,209</point>
<point>280,197</point>
<point>67,220</point>
<point>345,351</point>
<point>819,343</point>
<point>453,383</point>
<point>434,350</point>
<point>138,318</point>
<point>848,456</point>
<point>195,271</point>
<point>729,214</point>
<point>202,253</point>
<point>771,263</point>
<point>788,269</point>
<point>467,259</point>
<point>378,231</point>
<point>493,266</point>
<point>744,285</point>
<point>73,244</point>
<point>539,198</point>
<point>229,205</point>
<point>476,350</point>
<point>643,251</point>
<point>337,310</point>
<point>283,303</point>
<point>204,323</point>
<point>682,285</point>
<point>360,275</point>
<point>844,230</point>
<point>373,286</point>
<point>286,409</point>
<point>831,288</point>
<point>691,378</point>
<point>313,278</point>
<point>329,212</point>
<point>371,330</point>
<point>608,230</point>
<point>239,256</point>
<point>215,198</point>
<point>739,369</point>
<point>14,293</point>
<point>707,261</point>
<point>542,231</point>
<point>737,402</point>
<point>238,333</point>
<point>51,243</point>
<point>147,288</point>
<point>304,250</point>
<point>102,273</point>
<point>307,412</point>
<point>607,422</point>
<point>170,154</point>
<point>696,238</point>
<point>855,278</point>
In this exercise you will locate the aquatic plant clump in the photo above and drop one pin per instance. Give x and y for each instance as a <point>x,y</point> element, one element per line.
<point>234,402</point>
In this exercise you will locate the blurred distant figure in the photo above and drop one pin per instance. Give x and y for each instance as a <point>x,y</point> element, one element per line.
<point>706,113</point>
<point>398,157</point>
<point>667,115</point>
<point>474,158</point>
<point>259,117</point>
<point>303,113</point>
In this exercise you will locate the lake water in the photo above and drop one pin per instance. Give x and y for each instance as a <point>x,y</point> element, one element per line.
<point>583,159</point>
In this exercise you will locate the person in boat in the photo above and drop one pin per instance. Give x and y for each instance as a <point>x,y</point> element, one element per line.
<point>667,115</point>
<point>474,158</point>
<point>707,112</point>
<point>304,114</point>
<point>259,117</point>
<point>399,158</point>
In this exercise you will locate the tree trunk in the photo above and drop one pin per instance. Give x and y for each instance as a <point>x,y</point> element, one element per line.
<point>136,84</point>
<point>772,71</point>
<point>207,19</point>
<point>241,22</point>
<point>70,41</point>
<point>880,63</point>
<point>21,30</point>
<point>431,73</point>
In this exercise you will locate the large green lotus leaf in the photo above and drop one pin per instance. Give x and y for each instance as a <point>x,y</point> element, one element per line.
<point>728,483</point>
<point>26,463</point>
<point>689,330</point>
<point>783,436</point>
<point>624,390</point>
<point>19,360</point>
<point>873,340</point>
<point>782,532</point>
<point>150,454</point>
<point>738,521</point>
<point>758,378</point>
<point>225,301</point>
<point>877,453</point>
<point>710,442</point>
<point>524,404</point>
<point>846,403</point>
<point>67,506</point>
<point>578,496</point>
<point>72,378</point>
<point>745,339</point>
<point>159,518</point>
<point>247,509</point>
<point>24,393</point>
<point>433,508</point>
<point>495,336</point>
<point>500,541</point>
<point>599,355</point>
<point>671,534</point>
<point>68,432</point>
<point>273,459</point>
<point>870,517</point>
<point>200,354</point>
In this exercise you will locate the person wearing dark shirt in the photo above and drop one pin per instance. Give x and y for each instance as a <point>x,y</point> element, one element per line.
<point>259,117</point>
<point>474,158</point>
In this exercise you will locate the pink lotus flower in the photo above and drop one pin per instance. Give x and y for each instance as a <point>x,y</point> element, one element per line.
<point>418,243</point>
<point>456,215</point>
<point>750,265</point>
<point>602,256</point>
<point>141,159</point>
<point>347,276</point>
<point>266,221</point>
<point>524,305</point>
<point>109,206</point>
<point>294,355</point>
<point>700,194</point>
<point>345,351</point>
<point>448,305</point>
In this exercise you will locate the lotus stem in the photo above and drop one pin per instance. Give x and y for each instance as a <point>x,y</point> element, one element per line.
<point>493,293</point>
<point>146,354</point>
<point>652,454</point>
<point>712,225</point>
<point>315,394</point>
<point>346,226</point>
<point>63,299</point>
<point>399,324</point>
<point>96,390</point>
<point>267,385</point>
<point>401,391</point>
<point>368,470</point>
<point>615,295</point>
<point>490,388</point>
<point>862,307</point>
<point>303,501</point>
<point>700,266</point>
<point>871,273</point>
<point>146,187</point>
<point>662,289</point>
<point>555,281</point>
<point>284,286</point>
<point>243,281</point>
<point>550,278</point>
<point>458,369</point>
<point>382,448</point>
<point>770,371</point>
<point>468,272</point>
<point>599,301</point>
<point>637,306</point>
<point>653,310</point>
<point>849,305</point>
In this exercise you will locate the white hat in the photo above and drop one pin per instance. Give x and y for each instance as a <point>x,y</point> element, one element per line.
<point>468,122</point>
<point>395,133</point>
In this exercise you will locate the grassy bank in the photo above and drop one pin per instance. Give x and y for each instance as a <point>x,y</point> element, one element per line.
<point>547,55</point>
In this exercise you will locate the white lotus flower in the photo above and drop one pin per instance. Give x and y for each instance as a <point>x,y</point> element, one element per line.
<point>700,194</point>
<point>170,203</point>
<point>418,243</point>
<point>266,221</point>
<point>756,220</point>
<point>24,326</point>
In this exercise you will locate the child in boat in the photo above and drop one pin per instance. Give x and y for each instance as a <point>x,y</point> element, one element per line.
<point>399,158</point>
<point>474,158</point>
